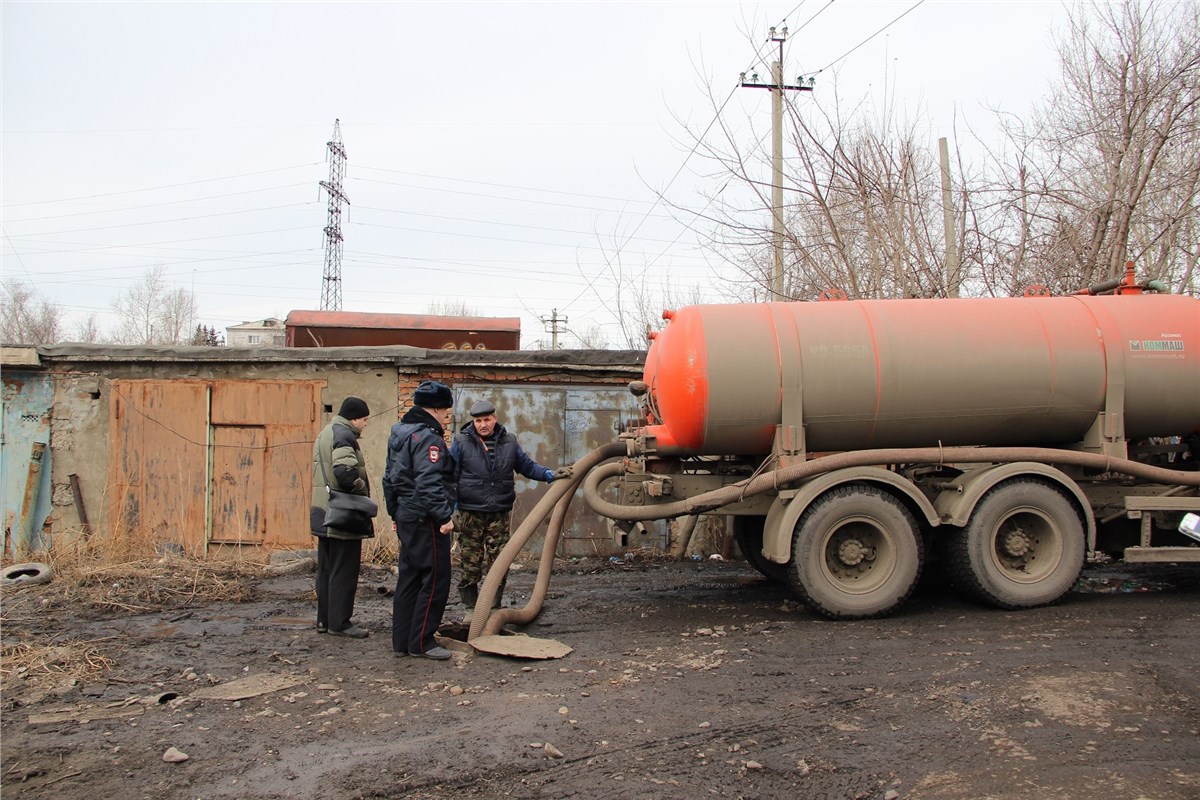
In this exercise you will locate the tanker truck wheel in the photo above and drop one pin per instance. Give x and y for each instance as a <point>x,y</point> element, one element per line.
<point>856,553</point>
<point>1023,547</point>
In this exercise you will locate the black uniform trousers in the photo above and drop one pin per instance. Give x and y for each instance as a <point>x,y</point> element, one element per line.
<point>422,584</point>
<point>338,563</point>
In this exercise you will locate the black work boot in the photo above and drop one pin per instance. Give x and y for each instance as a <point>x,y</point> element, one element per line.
<point>469,594</point>
<point>498,602</point>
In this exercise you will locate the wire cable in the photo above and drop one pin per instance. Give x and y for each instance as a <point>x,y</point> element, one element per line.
<point>487,183</point>
<point>164,203</point>
<point>156,188</point>
<point>911,8</point>
<point>166,221</point>
<point>661,194</point>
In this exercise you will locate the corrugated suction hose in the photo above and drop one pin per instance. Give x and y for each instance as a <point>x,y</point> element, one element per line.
<point>591,472</point>
<point>860,458</point>
<point>485,620</point>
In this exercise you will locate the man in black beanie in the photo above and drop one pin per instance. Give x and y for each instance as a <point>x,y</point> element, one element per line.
<point>418,487</point>
<point>338,464</point>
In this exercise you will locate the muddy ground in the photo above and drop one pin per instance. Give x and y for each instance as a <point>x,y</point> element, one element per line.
<point>687,680</point>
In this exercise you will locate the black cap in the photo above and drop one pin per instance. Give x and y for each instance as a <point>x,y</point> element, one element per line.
<point>431,394</point>
<point>482,408</point>
<point>354,408</point>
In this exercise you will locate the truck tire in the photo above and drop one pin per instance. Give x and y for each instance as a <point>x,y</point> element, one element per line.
<point>748,532</point>
<point>1024,546</point>
<point>856,553</point>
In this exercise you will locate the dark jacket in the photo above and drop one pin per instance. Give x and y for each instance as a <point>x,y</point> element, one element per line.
<point>418,480</point>
<point>486,484</point>
<point>338,462</point>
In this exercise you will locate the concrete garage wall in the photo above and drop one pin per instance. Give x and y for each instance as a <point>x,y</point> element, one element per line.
<point>83,419</point>
<point>82,440</point>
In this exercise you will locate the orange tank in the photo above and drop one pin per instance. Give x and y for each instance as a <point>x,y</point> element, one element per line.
<point>910,373</point>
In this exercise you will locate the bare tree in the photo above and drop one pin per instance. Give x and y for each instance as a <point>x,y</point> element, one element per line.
<point>1108,170</point>
<point>590,338</point>
<point>451,308</point>
<point>88,331</point>
<point>152,312</point>
<point>1105,171</point>
<point>862,206</point>
<point>638,298</point>
<point>28,318</point>
<point>176,315</point>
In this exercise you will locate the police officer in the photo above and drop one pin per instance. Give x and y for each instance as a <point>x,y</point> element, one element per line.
<point>418,487</point>
<point>485,457</point>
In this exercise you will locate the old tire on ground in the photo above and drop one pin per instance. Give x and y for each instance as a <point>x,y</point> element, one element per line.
<point>748,532</point>
<point>856,553</point>
<point>28,574</point>
<point>1024,546</point>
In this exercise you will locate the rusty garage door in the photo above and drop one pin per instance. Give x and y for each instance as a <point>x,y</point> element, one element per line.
<point>204,463</point>
<point>556,425</point>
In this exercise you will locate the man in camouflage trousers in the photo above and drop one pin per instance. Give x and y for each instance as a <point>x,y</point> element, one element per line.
<point>481,537</point>
<point>485,456</point>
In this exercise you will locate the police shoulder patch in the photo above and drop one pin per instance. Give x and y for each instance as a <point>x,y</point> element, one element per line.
<point>435,453</point>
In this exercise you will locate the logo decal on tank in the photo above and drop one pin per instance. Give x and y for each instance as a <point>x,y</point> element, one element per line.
<point>1156,345</point>
<point>435,453</point>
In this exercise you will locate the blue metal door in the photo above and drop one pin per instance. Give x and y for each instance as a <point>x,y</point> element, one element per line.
<point>25,460</point>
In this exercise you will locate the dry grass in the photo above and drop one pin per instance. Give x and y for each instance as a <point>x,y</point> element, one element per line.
<point>38,621</point>
<point>115,572</point>
<point>156,584</point>
<point>41,665</point>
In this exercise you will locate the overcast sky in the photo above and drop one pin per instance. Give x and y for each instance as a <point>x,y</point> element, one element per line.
<point>498,151</point>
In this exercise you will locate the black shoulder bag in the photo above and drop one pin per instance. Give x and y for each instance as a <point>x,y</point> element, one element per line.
<point>347,511</point>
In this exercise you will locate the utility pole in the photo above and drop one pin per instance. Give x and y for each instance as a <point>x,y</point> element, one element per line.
<point>953,278</point>
<point>552,327</point>
<point>777,88</point>
<point>331,280</point>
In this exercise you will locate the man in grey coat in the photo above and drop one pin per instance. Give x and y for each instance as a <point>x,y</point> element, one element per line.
<point>338,464</point>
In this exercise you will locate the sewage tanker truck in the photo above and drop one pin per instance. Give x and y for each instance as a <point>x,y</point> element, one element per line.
<point>1005,438</point>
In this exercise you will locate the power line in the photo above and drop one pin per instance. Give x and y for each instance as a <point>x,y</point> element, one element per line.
<point>480,221</point>
<point>166,221</point>
<point>691,152</point>
<point>499,197</point>
<point>822,10</point>
<point>159,205</point>
<point>91,247</point>
<point>461,235</point>
<point>117,267</point>
<point>872,36</point>
<point>156,188</point>
<point>496,185</point>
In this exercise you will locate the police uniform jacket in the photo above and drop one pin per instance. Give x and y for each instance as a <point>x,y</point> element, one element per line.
<point>418,480</point>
